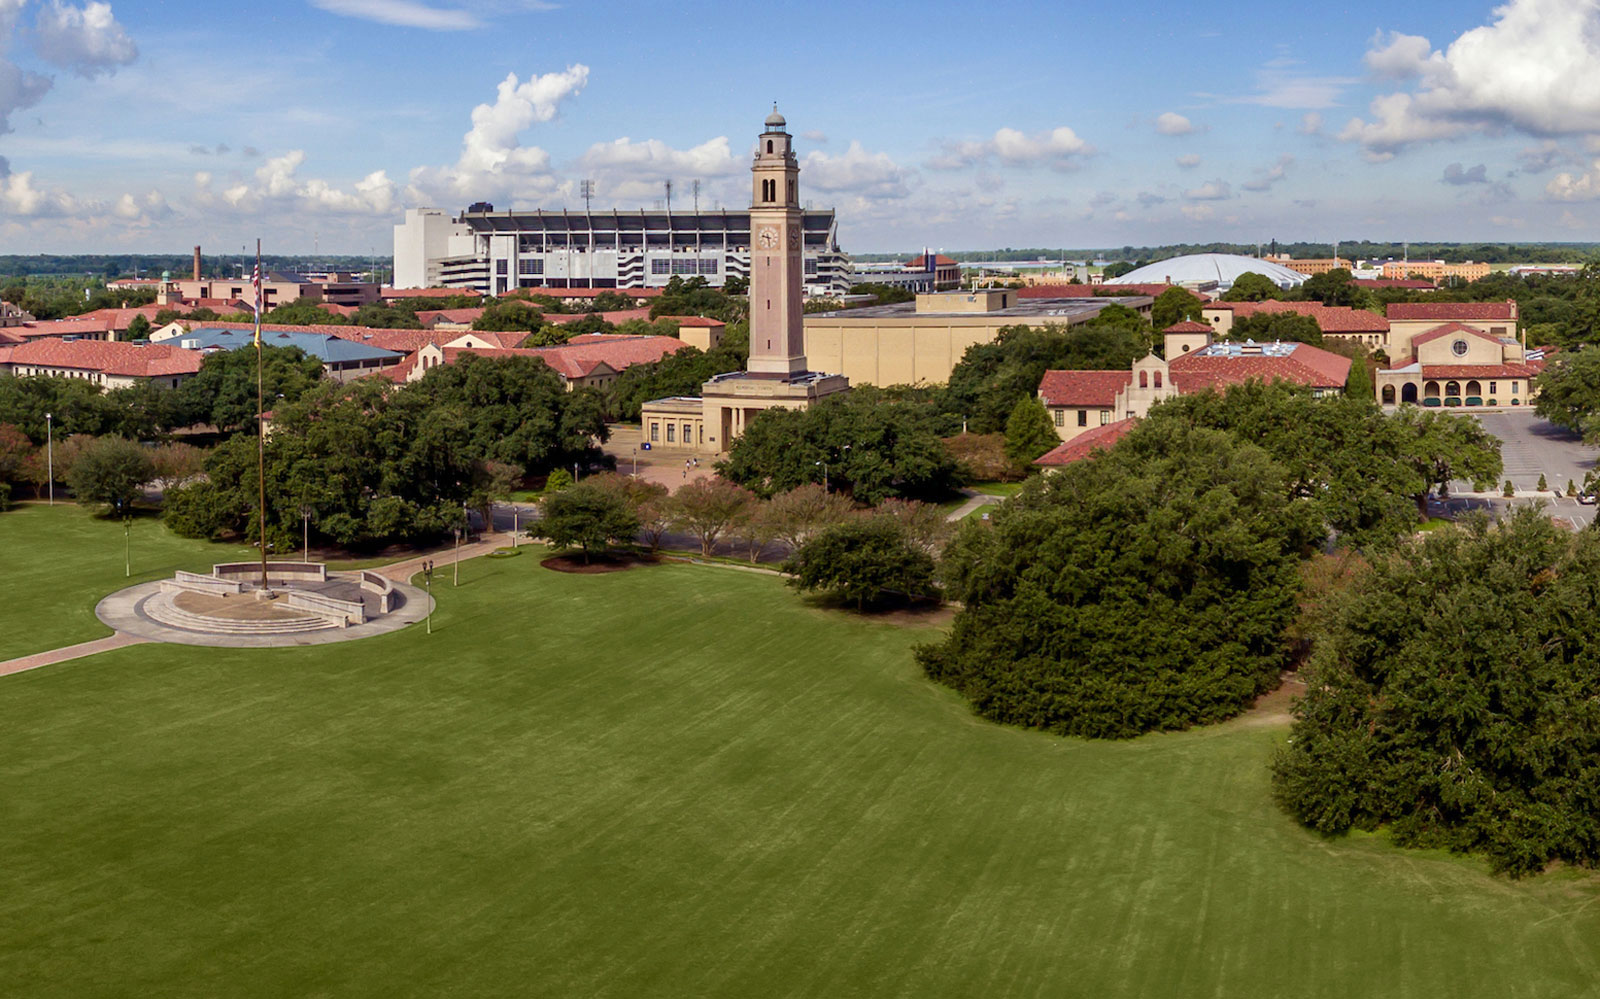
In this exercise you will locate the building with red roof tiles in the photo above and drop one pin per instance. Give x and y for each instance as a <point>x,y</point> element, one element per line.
<point>108,364</point>
<point>1461,363</point>
<point>1357,325</point>
<point>1091,290</point>
<point>699,331</point>
<point>449,318</point>
<point>1080,401</point>
<point>1086,445</point>
<point>1408,320</point>
<point>589,361</point>
<point>1407,284</point>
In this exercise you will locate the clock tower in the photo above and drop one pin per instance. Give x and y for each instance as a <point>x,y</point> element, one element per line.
<point>777,261</point>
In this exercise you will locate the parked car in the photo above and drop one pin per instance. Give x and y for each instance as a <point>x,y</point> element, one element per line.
<point>1587,499</point>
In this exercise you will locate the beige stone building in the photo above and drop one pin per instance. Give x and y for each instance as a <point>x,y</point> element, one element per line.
<point>921,342</point>
<point>1435,270</point>
<point>1368,329</point>
<point>1457,354</point>
<point>779,372</point>
<point>1311,266</point>
<point>106,364</point>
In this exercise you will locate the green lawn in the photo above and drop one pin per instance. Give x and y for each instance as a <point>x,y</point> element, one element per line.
<point>680,781</point>
<point>59,560</point>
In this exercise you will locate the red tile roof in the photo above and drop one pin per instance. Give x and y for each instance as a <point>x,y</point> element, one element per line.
<point>1330,318</point>
<point>939,260</point>
<point>404,341</point>
<point>509,338</point>
<point>1083,388</point>
<point>1462,371</point>
<point>1415,285</point>
<point>432,317</point>
<point>695,321</point>
<point>400,293</point>
<point>579,358</point>
<point>614,318</point>
<point>1187,326</point>
<point>107,357</point>
<point>1494,311</point>
<point>1086,444</point>
<point>1303,365</point>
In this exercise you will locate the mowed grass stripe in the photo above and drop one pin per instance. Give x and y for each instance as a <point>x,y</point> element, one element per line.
<point>683,781</point>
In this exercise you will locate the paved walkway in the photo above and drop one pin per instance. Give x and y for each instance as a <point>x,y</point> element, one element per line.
<point>401,572</point>
<point>61,655</point>
<point>974,501</point>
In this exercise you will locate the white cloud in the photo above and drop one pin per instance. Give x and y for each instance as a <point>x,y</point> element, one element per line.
<point>1189,161</point>
<point>87,40</point>
<point>655,160</point>
<point>1172,123</point>
<point>1265,178</point>
<point>19,88</point>
<point>404,13</point>
<point>1585,186</point>
<point>1544,156</point>
<point>1211,190</point>
<point>493,162</point>
<point>1060,148</point>
<point>1278,86</point>
<point>278,187</point>
<point>18,196</point>
<point>1198,213</point>
<point>151,207</point>
<point>1310,123</point>
<point>814,135</point>
<point>856,171</point>
<point>1531,70</point>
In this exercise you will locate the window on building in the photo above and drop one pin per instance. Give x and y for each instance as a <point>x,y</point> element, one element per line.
<point>1144,379</point>
<point>530,265</point>
<point>1513,388</point>
<point>1158,379</point>
<point>670,428</point>
<point>769,145</point>
<point>500,266</point>
<point>710,266</point>
<point>1492,388</point>
<point>688,434</point>
<point>1061,416</point>
<point>1083,417</point>
<point>655,432</point>
<point>1105,417</point>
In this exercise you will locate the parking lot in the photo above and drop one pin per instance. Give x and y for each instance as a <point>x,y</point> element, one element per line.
<point>1531,447</point>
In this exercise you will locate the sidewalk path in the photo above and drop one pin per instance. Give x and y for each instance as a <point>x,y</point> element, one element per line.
<point>974,501</point>
<point>61,655</point>
<point>401,572</point>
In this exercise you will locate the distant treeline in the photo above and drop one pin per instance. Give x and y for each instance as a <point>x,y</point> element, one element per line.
<point>120,265</point>
<point>1490,253</point>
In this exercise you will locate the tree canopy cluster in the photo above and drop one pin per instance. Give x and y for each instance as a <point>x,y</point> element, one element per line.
<point>1148,589</point>
<point>1451,698</point>
<point>374,464</point>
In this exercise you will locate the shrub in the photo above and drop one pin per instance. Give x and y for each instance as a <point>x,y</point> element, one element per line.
<point>868,563</point>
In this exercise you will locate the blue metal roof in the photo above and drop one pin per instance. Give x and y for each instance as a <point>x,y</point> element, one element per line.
<point>325,347</point>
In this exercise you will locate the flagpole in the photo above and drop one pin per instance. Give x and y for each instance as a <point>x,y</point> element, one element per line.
<point>261,428</point>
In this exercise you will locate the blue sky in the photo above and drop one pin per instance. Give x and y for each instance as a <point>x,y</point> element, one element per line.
<point>314,123</point>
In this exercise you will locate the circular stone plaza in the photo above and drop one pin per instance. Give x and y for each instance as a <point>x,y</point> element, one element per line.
<point>302,603</point>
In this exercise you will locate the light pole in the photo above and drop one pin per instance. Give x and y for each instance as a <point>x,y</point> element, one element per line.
<point>574,471</point>
<point>824,474</point>
<point>636,461</point>
<point>127,542</point>
<point>455,567</point>
<point>427,576</point>
<point>50,456</point>
<point>305,533</point>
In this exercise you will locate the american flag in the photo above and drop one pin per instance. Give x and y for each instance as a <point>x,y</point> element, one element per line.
<point>255,282</point>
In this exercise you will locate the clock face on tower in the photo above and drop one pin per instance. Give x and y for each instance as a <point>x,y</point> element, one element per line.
<point>794,239</point>
<point>768,236</point>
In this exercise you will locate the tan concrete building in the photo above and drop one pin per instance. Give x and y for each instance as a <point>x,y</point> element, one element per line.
<point>106,364</point>
<point>778,374</point>
<point>1408,320</point>
<point>1435,270</point>
<point>1351,325</point>
<point>1311,266</point>
<point>921,342</point>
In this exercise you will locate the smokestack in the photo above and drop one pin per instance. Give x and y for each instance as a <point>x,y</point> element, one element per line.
<point>197,263</point>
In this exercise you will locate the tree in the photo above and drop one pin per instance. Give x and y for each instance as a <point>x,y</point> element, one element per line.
<point>871,447</point>
<point>110,472</point>
<point>680,373</point>
<point>509,317</point>
<point>386,317</point>
<point>1334,287</point>
<point>1463,720</point>
<point>302,312</point>
<point>1569,392</point>
<point>1149,589</point>
<point>1359,384</point>
<point>138,328</point>
<point>175,464</point>
<point>1441,447</point>
<point>863,562</point>
<point>15,452</point>
<point>1174,306</point>
<point>492,482</point>
<point>1252,287</point>
<point>800,513</point>
<point>223,392</point>
<point>710,508</point>
<point>1029,431</point>
<point>1267,327</point>
<point>588,516</point>
<point>760,528</point>
<point>923,524</point>
<point>612,301</point>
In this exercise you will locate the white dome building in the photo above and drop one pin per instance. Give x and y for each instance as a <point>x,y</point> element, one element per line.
<point>1204,268</point>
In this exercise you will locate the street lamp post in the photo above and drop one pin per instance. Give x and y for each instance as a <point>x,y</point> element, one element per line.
<point>824,474</point>
<point>305,532</point>
<point>636,462</point>
<point>50,456</point>
<point>427,576</point>
<point>574,471</point>
<point>516,525</point>
<point>455,567</point>
<point>127,541</point>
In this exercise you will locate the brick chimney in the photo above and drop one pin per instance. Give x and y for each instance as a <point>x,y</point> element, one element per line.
<point>197,263</point>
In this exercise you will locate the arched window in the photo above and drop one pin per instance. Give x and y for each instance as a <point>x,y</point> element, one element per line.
<point>1158,379</point>
<point>1388,395</point>
<point>769,145</point>
<point>1452,388</point>
<point>1144,379</point>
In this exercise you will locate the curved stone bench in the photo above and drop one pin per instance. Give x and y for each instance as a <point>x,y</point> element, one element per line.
<point>161,608</point>
<point>382,586</point>
<point>280,572</point>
